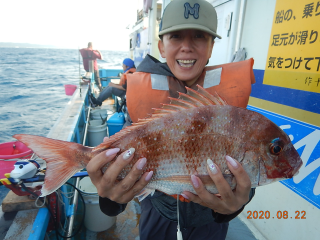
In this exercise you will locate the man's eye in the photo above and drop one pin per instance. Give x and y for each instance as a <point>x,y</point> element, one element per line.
<point>175,36</point>
<point>199,36</point>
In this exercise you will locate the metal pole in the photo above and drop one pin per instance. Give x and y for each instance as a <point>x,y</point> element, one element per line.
<point>79,72</point>
<point>91,69</point>
<point>74,202</point>
<point>240,24</point>
<point>86,129</point>
<point>76,194</point>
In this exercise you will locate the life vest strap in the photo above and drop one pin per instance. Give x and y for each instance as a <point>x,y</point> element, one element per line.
<point>212,78</point>
<point>159,82</point>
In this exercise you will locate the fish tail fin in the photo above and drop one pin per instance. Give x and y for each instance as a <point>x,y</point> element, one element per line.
<point>63,159</point>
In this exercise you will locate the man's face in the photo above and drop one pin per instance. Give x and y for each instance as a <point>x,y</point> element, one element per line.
<point>187,53</point>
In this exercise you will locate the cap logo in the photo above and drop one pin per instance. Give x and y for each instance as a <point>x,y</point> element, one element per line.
<point>188,10</point>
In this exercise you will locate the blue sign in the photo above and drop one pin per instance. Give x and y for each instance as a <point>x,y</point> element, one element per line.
<point>306,140</point>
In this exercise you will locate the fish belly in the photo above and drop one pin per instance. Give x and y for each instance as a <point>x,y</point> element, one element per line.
<point>178,145</point>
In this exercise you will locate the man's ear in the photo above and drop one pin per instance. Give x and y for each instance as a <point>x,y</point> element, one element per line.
<point>161,49</point>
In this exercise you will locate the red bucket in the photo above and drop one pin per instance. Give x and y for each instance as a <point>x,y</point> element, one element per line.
<point>69,89</point>
<point>11,150</point>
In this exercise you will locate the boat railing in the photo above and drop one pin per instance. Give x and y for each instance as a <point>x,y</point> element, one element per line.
<point>76,193</point>
<point>80,109</point>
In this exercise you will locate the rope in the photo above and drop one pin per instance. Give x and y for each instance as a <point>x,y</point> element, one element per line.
<point>179,234</point>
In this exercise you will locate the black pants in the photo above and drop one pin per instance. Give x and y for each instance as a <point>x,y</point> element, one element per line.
<point>97,79</point>
<point>153,226</point>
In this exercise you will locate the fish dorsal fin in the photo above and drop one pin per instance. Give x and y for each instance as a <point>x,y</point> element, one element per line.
<point>216,99</point>
<point>200,97</point>
<point>191,99</point>
<point>181,102</point>
<point>173,107</point>
<point>162,110</point>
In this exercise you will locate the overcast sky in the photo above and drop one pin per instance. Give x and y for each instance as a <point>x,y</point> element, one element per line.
<point>69,23</point>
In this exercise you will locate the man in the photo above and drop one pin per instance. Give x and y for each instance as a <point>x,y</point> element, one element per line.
<point>113,88</point>
<point>187,33</point>
<point>90,54</point>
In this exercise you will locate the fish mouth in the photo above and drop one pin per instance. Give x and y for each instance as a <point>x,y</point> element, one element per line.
<point>289,173</point>
<point>186,63</point>
<point>293,171</point>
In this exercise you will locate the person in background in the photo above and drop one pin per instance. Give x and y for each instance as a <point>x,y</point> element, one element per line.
<point>90,54</point>
<point>113,88</point>
<point>187,32</point>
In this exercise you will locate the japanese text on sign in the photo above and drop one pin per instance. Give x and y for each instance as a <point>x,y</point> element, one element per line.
<point>294,49</point>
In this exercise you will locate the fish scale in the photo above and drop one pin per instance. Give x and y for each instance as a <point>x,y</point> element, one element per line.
<point>188,145</point>
<point>177,140</point>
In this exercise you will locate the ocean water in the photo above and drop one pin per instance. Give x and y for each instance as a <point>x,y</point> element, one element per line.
<point>32,94</point>
<point>32,81</point>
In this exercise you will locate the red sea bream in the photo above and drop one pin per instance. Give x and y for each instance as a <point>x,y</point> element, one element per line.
<point>177,140</point>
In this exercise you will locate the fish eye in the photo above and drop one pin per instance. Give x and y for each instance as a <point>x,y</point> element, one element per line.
<point>276,146</point>
<point>275,150</point>
<point>21,166</point>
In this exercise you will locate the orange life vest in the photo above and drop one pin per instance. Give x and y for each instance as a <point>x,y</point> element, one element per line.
<point>123,78</point>
<point>232,81</point>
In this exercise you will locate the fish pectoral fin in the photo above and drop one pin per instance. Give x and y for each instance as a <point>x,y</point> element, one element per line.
<point>145,193</point>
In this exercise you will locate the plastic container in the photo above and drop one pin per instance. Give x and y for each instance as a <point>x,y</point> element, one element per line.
<point>6,167</point>
<point>69,89</point>
<point>9,154</point>
<point>115,123</point>
<point>96,132</point>
<point>103,73</point>
<point>105,81</point>
<point>95,114</point>
<point>95,220</point>
<point>11,150</point>
<point>106,74</point>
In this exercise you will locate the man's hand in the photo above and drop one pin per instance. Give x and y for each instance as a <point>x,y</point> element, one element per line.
<point>227,201</point>
<point>107,184</point>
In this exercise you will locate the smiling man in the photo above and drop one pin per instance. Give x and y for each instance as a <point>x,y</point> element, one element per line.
<point>187,32</point>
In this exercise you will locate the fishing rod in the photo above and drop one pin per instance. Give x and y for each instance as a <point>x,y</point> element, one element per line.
<point>79,71</point>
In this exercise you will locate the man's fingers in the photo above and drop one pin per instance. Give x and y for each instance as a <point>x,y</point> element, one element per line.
<point>204,197</point>
<point>117,166</point>
<point>133,175</point>
<point>107,183</point>
<point>227,201</point>
<point>95,165</point>
<point>192,197</point>
<point>242,178</point>
<point>232,200</point>
<point>222,185</point>
<point>138,186</point>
